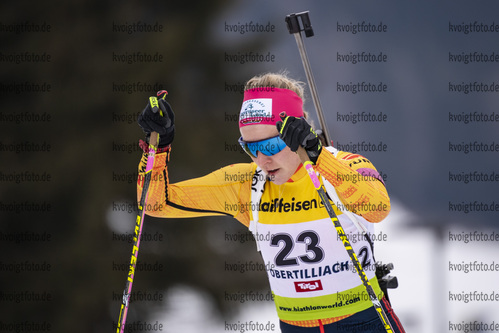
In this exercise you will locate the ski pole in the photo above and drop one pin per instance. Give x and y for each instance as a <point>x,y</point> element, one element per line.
<point>344,239</point>
<point>153,144</point>
<point>294,27</point>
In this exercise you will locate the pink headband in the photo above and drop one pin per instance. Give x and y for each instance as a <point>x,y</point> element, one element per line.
<point>261,106</point>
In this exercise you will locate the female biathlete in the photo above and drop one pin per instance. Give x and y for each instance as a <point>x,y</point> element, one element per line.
<point>315,286</point>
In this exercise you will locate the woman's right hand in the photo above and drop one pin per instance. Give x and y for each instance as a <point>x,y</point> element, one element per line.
<point>163,123</point>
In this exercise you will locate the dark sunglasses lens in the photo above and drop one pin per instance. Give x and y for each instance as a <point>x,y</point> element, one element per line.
<point>268,147</point>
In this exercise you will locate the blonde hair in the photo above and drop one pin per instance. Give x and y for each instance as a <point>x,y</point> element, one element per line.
<point>278,80</point>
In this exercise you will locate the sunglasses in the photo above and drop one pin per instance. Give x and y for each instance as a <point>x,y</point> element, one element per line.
<point>267,147</point>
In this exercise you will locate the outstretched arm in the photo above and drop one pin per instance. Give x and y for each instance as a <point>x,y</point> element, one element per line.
<point>225,191</point>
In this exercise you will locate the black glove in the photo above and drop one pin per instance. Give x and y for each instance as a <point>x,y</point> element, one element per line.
<point>297,132</point>
<point>151,120</point>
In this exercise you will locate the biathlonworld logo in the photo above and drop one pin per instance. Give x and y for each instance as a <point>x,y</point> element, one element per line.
<point>301,287</point>
<point>256,111</point>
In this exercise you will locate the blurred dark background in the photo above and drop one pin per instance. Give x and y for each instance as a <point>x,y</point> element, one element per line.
<point>69,137</point>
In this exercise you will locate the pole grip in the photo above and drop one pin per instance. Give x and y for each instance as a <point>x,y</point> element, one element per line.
<point>302,153</point>
<point>154,139</point>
